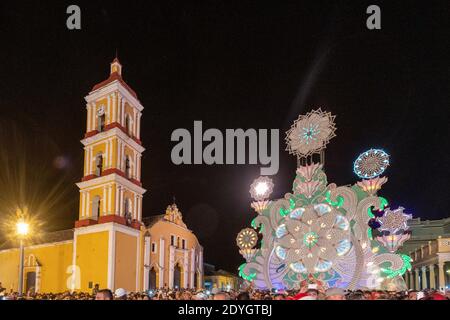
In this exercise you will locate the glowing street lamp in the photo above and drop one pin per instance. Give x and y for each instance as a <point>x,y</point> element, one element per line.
<point>22,230</point>
<point>260,190</point>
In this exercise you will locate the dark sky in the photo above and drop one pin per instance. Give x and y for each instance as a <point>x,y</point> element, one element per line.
<point>254,65</point>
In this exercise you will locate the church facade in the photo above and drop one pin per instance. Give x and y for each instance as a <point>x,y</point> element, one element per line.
<point>111,244</point>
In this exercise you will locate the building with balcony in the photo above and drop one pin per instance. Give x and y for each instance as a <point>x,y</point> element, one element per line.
<point>429,248</point>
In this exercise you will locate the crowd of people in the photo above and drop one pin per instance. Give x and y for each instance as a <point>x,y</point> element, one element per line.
<point>307,293</point>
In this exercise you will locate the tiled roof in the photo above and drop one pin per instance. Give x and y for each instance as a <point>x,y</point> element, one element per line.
<point>151,220</point>
<point>49,237</point>
<point>115,76</point>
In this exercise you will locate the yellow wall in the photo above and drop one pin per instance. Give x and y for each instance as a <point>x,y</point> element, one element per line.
<point>92,258</point>
<point>126,256</point>
<point>54,260</point>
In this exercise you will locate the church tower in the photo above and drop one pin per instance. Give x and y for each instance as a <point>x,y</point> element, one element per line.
<point>107,233</point>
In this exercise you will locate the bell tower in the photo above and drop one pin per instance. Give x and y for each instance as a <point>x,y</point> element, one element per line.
<point>111,188</point>
<point>111,191</point>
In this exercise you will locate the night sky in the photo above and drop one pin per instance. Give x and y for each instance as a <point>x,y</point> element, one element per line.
<point>254,65</point>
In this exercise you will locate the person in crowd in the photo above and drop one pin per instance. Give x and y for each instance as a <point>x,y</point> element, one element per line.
<point>104,294</point>
<point>412,295</point>
<point>222,295</point>
<point>120,294</point>
<point>243,296</point>
<point>96,289</point>
<point>335,294</point>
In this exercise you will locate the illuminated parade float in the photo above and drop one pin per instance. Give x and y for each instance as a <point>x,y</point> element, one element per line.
<point>333,236</point>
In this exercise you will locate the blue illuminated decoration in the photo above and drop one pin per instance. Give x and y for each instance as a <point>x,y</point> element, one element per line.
<point>371,163</point>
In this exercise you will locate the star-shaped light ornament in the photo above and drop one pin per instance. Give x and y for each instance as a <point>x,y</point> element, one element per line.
<point>394,220</point>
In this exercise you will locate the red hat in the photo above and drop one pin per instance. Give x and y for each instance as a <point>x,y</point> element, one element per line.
<point>438,296</point>
<point>299,296</point>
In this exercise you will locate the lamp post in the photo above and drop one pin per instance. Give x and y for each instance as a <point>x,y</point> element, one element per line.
<point>22,229</point>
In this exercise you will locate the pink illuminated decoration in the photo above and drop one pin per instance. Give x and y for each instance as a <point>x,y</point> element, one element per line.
<point>371,186</point>
<point>393,242</point>
<point>308,171</point>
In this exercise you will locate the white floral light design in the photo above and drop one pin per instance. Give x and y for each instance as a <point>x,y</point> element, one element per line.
<point>261,188</point>
<point>310,133</point>
<point>312,237</point>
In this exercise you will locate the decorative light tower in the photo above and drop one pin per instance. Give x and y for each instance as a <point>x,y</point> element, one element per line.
<point>322,232</point>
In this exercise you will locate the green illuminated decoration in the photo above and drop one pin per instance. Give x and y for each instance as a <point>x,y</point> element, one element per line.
<point>244,276</point>
<point>336,204</point>
<point>369,233</point>
<point>394,273</point>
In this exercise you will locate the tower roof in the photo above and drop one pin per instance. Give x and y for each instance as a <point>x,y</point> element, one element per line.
<point>115,74</point>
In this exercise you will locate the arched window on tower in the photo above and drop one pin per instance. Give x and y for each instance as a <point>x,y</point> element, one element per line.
<point>101,122</point>
<point>99,164</point>
<point>128,215</point>
<point>96,204</point>
<point>127,167</point>
<point>128,124</point>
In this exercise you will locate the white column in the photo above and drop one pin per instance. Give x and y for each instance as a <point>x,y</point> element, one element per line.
<point>441,275</point>
<point>424,278</point>
<point>185,269</point>
<point>139,125</point>
<point>147,244</point>
<point>117,196</point>
<point>193,285</point>
<point>108,110</point>
<point>93,113</point>
<point>140,208</point>
<point>134,122</point>
<point>135,165</point>
<point>200,266</point>
<point>83,203</point>
<point>138,177</point>
<point>90,160</point>
<point>135,206</point>
<point>122,115</point>
<point>110,153</point>
<point>417,282</point>
<point>87,212</point>
<point>121,202</point>
<point>432,277</point>
<point>104,200</point>
<point>119,161</point>
<point>88,125</point>
<point>85,163</point>
<point>162,251</point>
<point>171,265</point>
<point>109,198</point>
<point>106,154</point>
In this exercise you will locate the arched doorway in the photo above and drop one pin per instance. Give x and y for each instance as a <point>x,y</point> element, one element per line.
<point>30,281</point>
<point>152,279</point>
<point>177,277</point>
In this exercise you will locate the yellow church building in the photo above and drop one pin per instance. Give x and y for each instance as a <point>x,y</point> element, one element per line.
<point>111,244</point>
